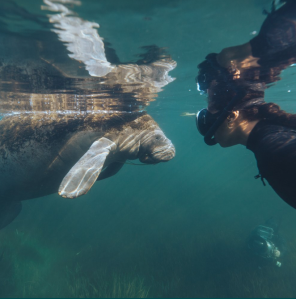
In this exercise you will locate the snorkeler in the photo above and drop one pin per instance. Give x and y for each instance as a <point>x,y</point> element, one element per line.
<point>235,81</point>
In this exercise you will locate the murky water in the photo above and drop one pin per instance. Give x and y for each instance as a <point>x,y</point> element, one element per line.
<point>174,229</point>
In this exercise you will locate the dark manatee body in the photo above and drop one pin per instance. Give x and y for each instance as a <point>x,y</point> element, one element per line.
<point>41,155</point>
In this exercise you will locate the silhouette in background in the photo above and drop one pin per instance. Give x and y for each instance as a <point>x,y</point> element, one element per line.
<point>266,243</point>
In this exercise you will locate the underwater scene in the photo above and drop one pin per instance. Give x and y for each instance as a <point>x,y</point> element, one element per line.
<point>108,188</point>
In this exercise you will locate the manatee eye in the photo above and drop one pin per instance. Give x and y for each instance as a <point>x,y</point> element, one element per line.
<point>157,137</point>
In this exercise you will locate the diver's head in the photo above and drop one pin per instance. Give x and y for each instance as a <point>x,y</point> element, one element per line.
<point>234,81</point>
<point>222,121</point>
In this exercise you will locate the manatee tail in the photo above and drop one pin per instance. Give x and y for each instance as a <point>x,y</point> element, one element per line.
<point>8,212</point>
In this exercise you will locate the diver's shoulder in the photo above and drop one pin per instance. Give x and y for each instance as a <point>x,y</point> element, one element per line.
<point>267,127</point>
<point>270,136</point>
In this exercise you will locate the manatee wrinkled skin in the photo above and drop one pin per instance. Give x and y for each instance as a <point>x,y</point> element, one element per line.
<point>39,157</point>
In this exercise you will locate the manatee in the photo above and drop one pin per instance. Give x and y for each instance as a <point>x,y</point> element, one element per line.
<point>71,116</point>
<point>42,155</point>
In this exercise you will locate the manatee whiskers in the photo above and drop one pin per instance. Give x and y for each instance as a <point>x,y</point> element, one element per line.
<point>163,149</point>
<point>164,153</point>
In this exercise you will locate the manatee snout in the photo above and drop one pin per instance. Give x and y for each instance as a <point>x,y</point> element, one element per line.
<point>162,151</point>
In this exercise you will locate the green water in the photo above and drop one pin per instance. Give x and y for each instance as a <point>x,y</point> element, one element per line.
<point>175,229</point>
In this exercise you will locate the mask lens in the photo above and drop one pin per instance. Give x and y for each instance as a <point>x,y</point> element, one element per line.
<point>205,120</point>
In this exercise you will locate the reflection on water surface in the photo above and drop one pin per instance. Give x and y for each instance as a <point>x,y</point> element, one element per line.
<point>44,76</point>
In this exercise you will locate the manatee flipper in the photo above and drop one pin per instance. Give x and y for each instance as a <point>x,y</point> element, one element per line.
<point>85,172</point>
<point>112,169</point>
<point>8,212</point>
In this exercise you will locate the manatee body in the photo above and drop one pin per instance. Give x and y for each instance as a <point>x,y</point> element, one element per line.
<point>67,154</point>
<point>70,125</point>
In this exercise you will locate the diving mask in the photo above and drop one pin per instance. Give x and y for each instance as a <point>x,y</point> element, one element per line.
<point>208,123</point>
<point>205,120</point>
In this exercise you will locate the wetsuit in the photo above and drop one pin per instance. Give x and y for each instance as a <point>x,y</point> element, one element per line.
<point>274,147</point>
